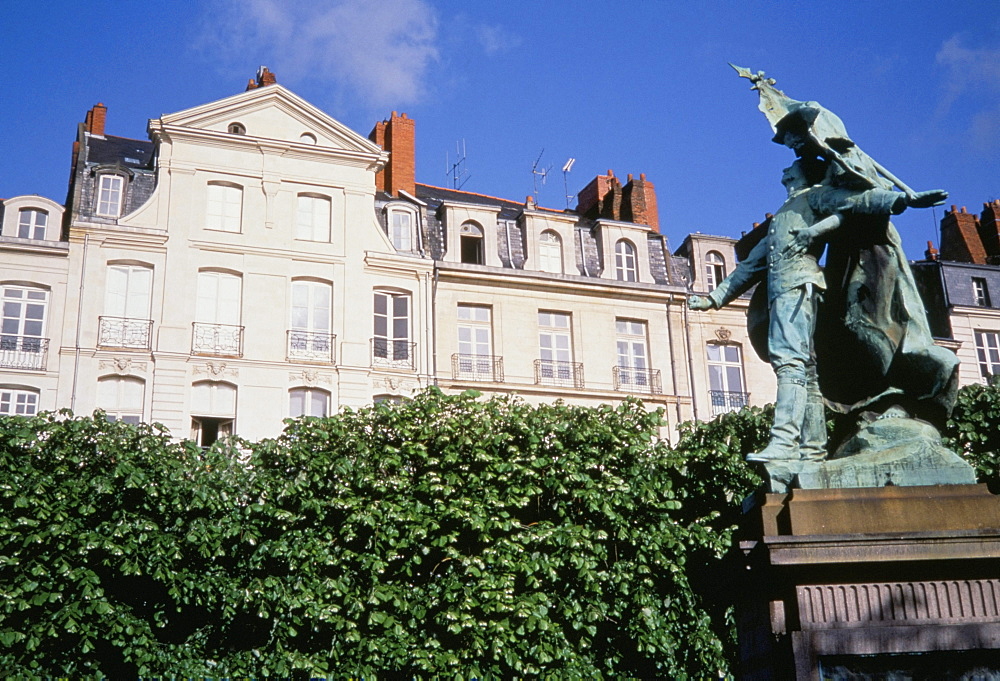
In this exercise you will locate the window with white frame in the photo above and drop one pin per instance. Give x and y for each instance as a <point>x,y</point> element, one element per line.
<point>555,349</point>
<point>391,344</point>
<point>401,229</point>
<point>217,327</point>
<point>981,292</point>
<point>126,323</point>
<point>471,243</point>
<point>312,218</point>
<point>18,402</point>
<point>22,329</point>
<point>988,352</point>
<point>213,411</point>
<point>715,269</point>
<point>633,360</point>
<point>309,333</point>
<point>625,261</point>
<point>31,223</point>
<point>308,402</point>
<point>550,252</point>
<point>110,190</point>
<point>121,398</point>
<point>475,344</point>
<point>224,207</point>
<point>725,378</point>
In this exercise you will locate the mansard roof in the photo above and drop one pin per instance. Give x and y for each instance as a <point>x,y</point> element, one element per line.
<point>109,150</point>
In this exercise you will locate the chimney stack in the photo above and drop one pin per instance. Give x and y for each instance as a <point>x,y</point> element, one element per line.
<point>397,135</point>
<point>639,202</point>
<point>989,227</point>
<point>96,117</point>
<point>960,240</point>
<point>931,253</point>
<point>265,77</point>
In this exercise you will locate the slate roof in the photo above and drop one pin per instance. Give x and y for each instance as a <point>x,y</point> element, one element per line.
<point>110,150</point>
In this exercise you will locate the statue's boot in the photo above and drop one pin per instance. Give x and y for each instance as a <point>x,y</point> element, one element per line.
<point>789,412</point>
<point>813,438</point>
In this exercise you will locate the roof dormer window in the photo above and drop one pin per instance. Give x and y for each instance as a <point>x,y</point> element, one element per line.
<point>471,238</point>
<point>110,191</point>
<point>31,223</point>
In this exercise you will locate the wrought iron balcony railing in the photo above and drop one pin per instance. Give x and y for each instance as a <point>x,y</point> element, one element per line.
<point>217,339</point>
<point>122,332</point>
<point>23,352</point>
<point>724,401</point>
<point>637,380</point>
<point>310,346</point>
<point>477,367</point>
<point>388,353</point>
<point>556,372</point>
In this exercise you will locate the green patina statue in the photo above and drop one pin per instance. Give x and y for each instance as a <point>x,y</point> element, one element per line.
<point>852,335</point>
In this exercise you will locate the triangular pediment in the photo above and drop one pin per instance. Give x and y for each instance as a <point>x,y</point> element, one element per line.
<point>274,113</point>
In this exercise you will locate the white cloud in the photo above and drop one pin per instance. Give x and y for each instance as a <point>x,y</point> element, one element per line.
<point>495,39</point>
<point>968,71</point>
<point>380,52</point>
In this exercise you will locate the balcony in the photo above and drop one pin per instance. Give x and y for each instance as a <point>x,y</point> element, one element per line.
<point>388,353</point>
<point>637,380</point>
<point>724,401</point>
<point>477,368</point>
<point>122,332</point>
<point>555,372</point>
<point>307,346</point>
<point>223,340</point>
<point>23,352</point>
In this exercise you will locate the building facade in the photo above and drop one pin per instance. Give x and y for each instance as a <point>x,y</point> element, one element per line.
<point>255,260</point>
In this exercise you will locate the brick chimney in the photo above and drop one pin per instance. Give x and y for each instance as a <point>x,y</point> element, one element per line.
<point>601,198</point>
<point>397,135</point>
<point>931,253</point>
<point>989,228</point>
<point>639,202</point>
<point>96,117</point>
<point>960,241</point>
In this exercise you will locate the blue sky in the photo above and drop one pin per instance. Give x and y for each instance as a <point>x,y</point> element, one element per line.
<point>637,87</point>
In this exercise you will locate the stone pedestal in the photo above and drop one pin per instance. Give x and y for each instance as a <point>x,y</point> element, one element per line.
<point>865,583</point>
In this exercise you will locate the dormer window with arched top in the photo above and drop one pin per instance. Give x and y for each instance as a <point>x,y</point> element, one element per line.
<point>399,225</point>
<point>31,223</point>
<point>625,261</point>
<point>550,252</point>
<point>715,269</point>
<point>471,239</point>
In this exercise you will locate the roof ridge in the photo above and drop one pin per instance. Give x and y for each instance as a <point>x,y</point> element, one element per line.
<point>487,196</point>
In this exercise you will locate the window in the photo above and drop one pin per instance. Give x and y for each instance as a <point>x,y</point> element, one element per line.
<point>126,322</point>
<point>474,359</point>
<point>225,208</point>
<point>237,129</point>
<point>555,350</point>
<point>633,366</point>
<point>23,325</point>
<point>309,336</point>
<point>725,378</point>
<point>307,138</point>
<point>981,292</point>
<point>988,351</point>
<point>217,314</point>
<point>213,410</point>
<point>715,269</point>
<point>391,345</point>
<point>121,398</point>
<point>31,223</point>
<point>308,402</point>
<point>550,252</point>
<point>312,219</point>
<point>15,402</point>
<point>109,195</point>
<point>471,238</point>
<point>401,229</point>
<point>625,269</point>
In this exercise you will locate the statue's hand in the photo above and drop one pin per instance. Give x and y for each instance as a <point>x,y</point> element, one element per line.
<point>700,303</point>
<point>934,197</point>
<point>802,239</point>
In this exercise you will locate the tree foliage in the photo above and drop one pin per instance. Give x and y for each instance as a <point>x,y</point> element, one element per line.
<point>448,536</point>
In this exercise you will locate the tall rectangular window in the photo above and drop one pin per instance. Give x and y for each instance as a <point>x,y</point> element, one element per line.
<point>725,378</point>
<point>401,230</point>
<point>981,292</point>
<point>224,210</point>
<point>31,224</point>
<point>475,344</point>
<point>633,364</point>
<point>309,333</point>
<point>109,195</point>
<point>217,329</point>
<point>625,261</point>
<point>308,402</point>
<point>391,343</point>
<point>22,345</point>
<point>312,218</point>
<point>988,352</point>
<point>213,411</point>
<point>126,323</point>
<point>121,398</point>
<point>555,349</point>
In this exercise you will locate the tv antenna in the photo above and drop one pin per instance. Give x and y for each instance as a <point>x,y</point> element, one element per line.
<point>567,167</point>
<point>536,173</point>
<point>457,171</point>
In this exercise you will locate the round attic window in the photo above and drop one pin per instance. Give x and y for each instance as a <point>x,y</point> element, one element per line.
<point>307,138</point>
<point>237,129</point>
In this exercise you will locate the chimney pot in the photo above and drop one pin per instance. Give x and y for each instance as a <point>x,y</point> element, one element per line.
<point>963,209</point>
<point>611,173</point>
<point>642,176</point>
<point>629,177</point>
